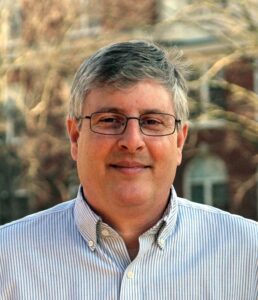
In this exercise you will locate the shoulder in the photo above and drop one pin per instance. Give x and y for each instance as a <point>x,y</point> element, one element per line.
<point>212,220</point>
<point>39,221</point>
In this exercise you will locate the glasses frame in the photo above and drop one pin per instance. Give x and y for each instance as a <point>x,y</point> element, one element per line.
<point>89,117</point>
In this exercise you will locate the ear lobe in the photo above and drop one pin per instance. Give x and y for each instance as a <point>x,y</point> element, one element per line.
<point>73,132</point>
<point>181,138</point>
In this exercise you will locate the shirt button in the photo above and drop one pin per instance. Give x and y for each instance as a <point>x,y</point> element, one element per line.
<point>130,275</point>
<point>91,243</point>
<point>162,242</point>
<point>105,232</point>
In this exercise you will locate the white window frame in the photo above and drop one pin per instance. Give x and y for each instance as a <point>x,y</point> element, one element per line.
<point>214,176</point>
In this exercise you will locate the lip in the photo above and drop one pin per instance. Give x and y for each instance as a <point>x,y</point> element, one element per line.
<point>129,167</point>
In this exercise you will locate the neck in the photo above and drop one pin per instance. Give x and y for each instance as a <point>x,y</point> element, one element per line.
<point>131,226</point>
<point>131,221</point>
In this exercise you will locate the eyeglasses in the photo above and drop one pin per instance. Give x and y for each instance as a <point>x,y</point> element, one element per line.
<point>151,124</point>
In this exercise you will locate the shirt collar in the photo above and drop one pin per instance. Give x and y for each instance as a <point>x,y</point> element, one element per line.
<point>87,221</point>
<point>169,220</point>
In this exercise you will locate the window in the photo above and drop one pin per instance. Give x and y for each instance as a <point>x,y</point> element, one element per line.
<point>217,94</point>
<point>206,92</point>
<point>205,181</point>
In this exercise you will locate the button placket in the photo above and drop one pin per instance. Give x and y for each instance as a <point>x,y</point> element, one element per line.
<point>130,274</point>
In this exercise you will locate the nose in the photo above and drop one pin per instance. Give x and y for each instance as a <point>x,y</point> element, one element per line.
<point>132,139</point>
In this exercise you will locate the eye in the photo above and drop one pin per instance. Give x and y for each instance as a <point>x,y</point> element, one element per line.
<point>108,120</point>
<point>151,121</point>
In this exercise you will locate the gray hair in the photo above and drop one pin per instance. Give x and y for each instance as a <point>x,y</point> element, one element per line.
<point>123,64</point>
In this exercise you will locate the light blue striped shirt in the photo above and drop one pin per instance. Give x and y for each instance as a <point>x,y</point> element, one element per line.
<point>67,252</point>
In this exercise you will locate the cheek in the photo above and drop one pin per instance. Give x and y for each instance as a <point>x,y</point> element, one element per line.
<point>175,151</point>
<point>166,153</point>
<point>92,152</point>
<point>85,164</point>
<point>171,155</point>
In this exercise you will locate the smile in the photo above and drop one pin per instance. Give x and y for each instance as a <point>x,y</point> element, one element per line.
<point>129,167</point>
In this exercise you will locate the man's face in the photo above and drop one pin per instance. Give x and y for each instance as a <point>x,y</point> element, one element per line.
<point>131,170</point>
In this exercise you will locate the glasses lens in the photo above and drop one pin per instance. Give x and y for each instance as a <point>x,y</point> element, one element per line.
<point>153,124</point>
<point>107,123</point>
<point>157,124</point>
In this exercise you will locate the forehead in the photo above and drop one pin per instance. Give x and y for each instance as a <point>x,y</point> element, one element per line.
<point>140,97</point>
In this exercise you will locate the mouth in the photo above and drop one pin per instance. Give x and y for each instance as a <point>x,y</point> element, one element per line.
<point>129,167</point>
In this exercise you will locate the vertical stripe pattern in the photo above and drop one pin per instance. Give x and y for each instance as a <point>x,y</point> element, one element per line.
<point>67,252</point>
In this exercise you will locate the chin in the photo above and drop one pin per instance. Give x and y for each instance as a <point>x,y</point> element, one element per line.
<point>132,195</point>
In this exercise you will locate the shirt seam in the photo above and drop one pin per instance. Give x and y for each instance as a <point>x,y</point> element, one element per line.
<point>216,211</point>
<point>38,215</point>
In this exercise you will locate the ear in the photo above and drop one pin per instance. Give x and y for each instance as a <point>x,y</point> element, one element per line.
<point>181,138</point>
<point>73,132</point>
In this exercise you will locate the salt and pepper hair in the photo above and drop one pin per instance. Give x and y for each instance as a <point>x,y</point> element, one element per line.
<point>124,64</point>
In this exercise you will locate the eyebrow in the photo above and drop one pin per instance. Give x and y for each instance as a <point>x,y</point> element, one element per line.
<point>109,109</point>
<point>121,111</point>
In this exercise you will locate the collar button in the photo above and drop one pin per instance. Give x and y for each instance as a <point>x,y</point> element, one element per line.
<point>90,244</point>
<point>105,232</point>
<point>161,242</point>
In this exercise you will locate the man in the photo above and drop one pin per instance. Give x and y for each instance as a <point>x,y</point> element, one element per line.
<point>128,235</point>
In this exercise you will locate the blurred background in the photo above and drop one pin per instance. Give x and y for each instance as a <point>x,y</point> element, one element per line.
<point>44,42</point>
